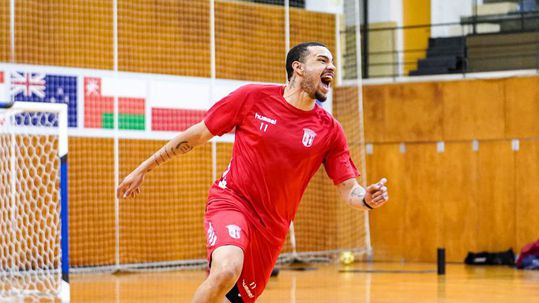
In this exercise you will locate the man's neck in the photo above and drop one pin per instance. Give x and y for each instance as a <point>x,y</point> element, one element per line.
<point>298,98</point>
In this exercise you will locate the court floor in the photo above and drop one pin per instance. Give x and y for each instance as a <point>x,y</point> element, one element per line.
<point>361,282</point>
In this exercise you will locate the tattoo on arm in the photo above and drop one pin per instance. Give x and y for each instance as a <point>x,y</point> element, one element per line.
<point>163,155</point>
<point>184,147</point>
<point>356,193</point>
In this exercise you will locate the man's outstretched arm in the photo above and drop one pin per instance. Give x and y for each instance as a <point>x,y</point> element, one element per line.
<point>184,142</point>
<point>373,197</point>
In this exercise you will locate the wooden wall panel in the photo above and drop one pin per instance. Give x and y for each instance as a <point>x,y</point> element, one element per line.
<point>74,33</point>
<point>5,39</point>
<point>374,112</point>
<point>422,211</point>
<point>245,48</point>
<point>526,193</point>
<point>308,26</point>
<point>496,199</point>
<point>473,109</point>
<point>408,112</point>
<point>316,223</point>
<point>456,110</point>
<point>413,112</point>
<point>458,194</point>
<point>387,222</point>
<point>91,202</point>
<point>350,223</point>
<point>166,37</point>
<point>346,111</point>
<point>490,214</point>
<point>522,107</point>
<point>165,222</point>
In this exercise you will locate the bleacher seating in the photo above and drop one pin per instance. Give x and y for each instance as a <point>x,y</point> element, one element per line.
<point>505,51</point>
<point>444,56</point>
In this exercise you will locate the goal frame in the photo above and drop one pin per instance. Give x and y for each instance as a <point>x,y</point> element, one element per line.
<point>61,110</point>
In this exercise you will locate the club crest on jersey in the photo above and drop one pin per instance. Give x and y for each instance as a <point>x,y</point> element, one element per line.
<point>308,137</point>
<point>234,231</point>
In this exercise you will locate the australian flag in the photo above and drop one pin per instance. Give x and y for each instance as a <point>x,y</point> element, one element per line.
<point>40,87</point>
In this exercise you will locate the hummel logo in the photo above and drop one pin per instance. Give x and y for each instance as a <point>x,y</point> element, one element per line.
<point>265,119</point>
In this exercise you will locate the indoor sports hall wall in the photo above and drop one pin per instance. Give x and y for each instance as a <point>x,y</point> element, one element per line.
<point>154,229</point>
<point>165,37</point>
<point>168,37</point>
<point>459,198</point>
<point>453,196</point>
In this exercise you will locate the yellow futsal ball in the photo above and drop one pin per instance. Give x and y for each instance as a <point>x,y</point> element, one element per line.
<point>347,257</point>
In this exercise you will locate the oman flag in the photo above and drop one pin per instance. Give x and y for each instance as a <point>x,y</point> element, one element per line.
<point>99,103</point>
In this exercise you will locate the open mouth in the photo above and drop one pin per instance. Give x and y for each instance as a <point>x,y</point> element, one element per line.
<point>326,80</point>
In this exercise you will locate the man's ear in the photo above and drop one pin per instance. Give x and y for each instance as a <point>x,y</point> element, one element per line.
<point>298,67</point>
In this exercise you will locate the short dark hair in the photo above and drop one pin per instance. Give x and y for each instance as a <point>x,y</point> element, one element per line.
<point>298,53</point>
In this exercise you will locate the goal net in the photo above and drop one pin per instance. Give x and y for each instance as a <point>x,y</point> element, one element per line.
<point>33,147</point>
<point>137,73</point>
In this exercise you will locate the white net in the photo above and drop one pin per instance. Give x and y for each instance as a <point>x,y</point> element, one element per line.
<point>30,204</point>
<point>150,69</point>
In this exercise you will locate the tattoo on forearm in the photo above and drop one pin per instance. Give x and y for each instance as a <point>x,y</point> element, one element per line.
<point>184,147</point>
<point>356,193</point>
<point>163,155</point>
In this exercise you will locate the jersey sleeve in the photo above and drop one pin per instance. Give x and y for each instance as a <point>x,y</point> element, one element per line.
<point>227,113</point>
<point>338,163</point>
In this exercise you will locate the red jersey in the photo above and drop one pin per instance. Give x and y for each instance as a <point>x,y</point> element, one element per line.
<point>277,149</point>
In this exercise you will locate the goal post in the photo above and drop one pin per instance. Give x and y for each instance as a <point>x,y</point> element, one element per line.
<point>34,260</point>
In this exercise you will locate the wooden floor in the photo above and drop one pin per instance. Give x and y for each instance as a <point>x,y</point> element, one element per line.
<point>376,282</point>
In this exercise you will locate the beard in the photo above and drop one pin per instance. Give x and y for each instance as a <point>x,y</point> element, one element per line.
<point>312,90</point>
<point>320,97</point>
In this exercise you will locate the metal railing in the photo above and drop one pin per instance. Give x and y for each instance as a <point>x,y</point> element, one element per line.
<point>488,43</point>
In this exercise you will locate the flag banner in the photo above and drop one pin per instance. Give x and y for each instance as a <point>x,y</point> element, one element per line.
<point>146,102</point>
<point>176,105</point>
<point>48,88</point>
<point>99,103</point>
<point>171,119</point>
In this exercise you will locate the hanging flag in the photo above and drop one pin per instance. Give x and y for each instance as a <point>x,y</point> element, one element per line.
<point>176,105</point>
<point>41,87</point>
<point>99,103</point>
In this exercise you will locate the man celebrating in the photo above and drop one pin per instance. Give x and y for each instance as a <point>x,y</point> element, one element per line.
<point>282,137</point>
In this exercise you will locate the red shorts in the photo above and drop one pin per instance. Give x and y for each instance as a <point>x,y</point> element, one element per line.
<point>227,224</point>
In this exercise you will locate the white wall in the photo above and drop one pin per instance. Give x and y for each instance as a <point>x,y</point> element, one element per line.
<point>444,11</point>
<point>386,11</point>
<point>389,11</point>
<point>325,6</point>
